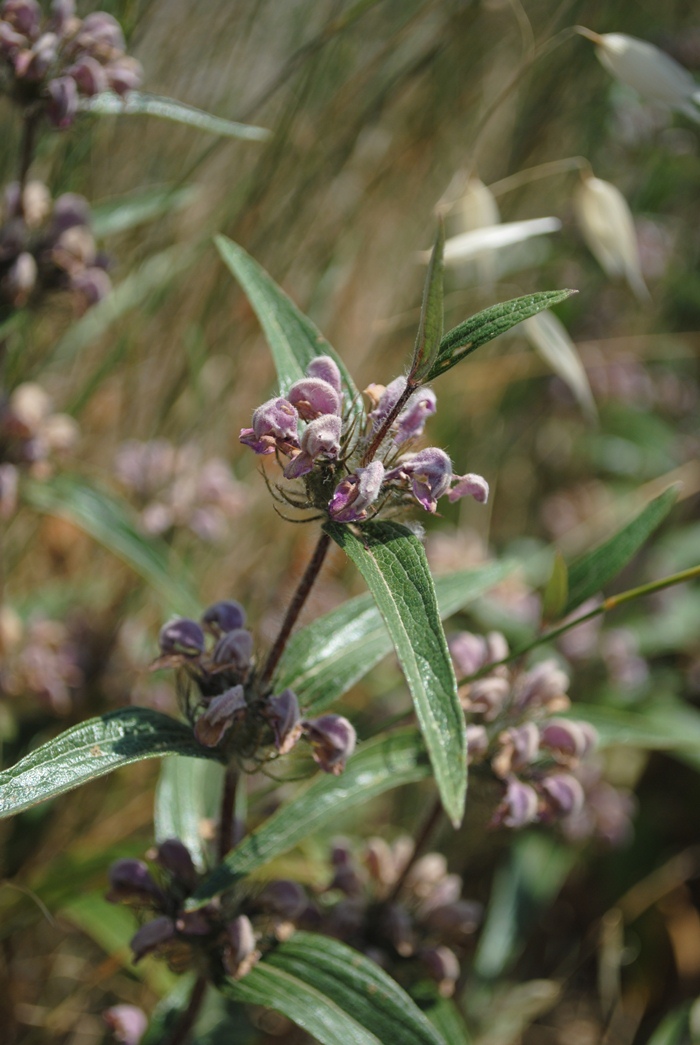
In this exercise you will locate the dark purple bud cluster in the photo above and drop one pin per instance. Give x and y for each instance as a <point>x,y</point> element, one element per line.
<point>51,63</point>
<point>346,475</point>
<point>227,937</point>
<point>175,488</point>
<point>32,439</point>
<point>231,710</point>
<point>410,919</point>
<point>542,760</point>
<point>48,246</point>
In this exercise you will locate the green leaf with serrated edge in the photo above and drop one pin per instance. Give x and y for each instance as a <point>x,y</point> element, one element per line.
<point>188,794</point>
<point>109,521</point>
<point>485,326</point>
<point>293,339</point>
<point>136,103</point>
<point>378,766</point>
<point>589,574</point>
<point>392,561</point>
<point>123,213</point>
<point>300,1002</point>
<point>556,591</point>
<point>92,749</point>
<point>324,659</point>
<point>430,327</point>
<point>525,884</point>
<point>358,986</point>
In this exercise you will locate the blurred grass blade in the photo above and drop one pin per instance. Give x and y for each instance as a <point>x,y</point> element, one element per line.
<point>431,325</point>
<point>393,563</point>
<point>293,339</point>
<point>188,794</point>
<point>324,659</point>
<point>132,292</point>
<point>358,986</point>
<point>447,1020</point>
<point>378,766</point>
<point>667,725</point>
<point>301,1003</point>
<point>556,591</point>
<point>107,520</point>
<point>128,212</point>
<point>485,326</point>
<point>517,1009</point>
<point>589,574</point>
<point>468,245</point>
<point>92,749</point>
<point>524,886</point>
<point>137,103</point>
<point>679,1027</point>
<point>550,339</point>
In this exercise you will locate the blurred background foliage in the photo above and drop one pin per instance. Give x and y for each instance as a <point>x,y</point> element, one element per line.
<point>376,106</point>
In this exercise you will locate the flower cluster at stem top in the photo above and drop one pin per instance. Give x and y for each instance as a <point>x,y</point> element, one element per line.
<point>48,64</point>
<point>352,469</point>
<point>227,703</point>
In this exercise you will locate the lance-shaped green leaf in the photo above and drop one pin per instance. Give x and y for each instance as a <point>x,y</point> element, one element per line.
<point>137,103</point>
<point>556,590</point>
<point>324,659</point>
<point>92,749</point>
<point>444,1016</point>
<point>336,994</point>
<point>108,521</point>
<point>393,563</point>
<point>187,798</point>
<point>293,339</point>
<point>128,212</point>
<point>378,766</point>
<point>485,326</point>
<point>430,327</point>
<point>596,568</point>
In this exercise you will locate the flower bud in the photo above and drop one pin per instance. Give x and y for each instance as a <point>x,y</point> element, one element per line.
<point>126,1022</point>
<point>567,739</point>
<point>544,686</point>
<point>100,34</point>
<point>454,920</point>
<point>327,369</point>
<point>62,106</point>
<point>285,898</point>
<point>193,923</point>
<point>356,493</point>
<point>151,935</point>
<point>23,15</point>
<point>89,75</point>
<point>274,427</point>
<point>124,75</point>
<point>9,486</point>
<point>397,928</point>
<point>20,280</point>
<point>239,953</point>
<point>313,397</point>
<point>62,16</point>
<point>33,65</point>
<point>91,286</point>
<point>69,210</point>
<point>411,421</point>
<point>219,716</point>
<point>520,805</point>
<point>442,966</point>
<point>429,471</point>
<point>388,398</point>
<point>321,438</point>
<point>183,637</point>
<point>131,882</point>
<point>487,696</point>
<point>222,617</point>
<point>469,485</point>
<point>379,861</point>
<point>332,739</point>
<point>477,742</point>
<point>285,718</point>
<point>11,42</point>
<point>234,650</point>
<point>175,858</point>
<point>468,652</point>
<point>564,792</point>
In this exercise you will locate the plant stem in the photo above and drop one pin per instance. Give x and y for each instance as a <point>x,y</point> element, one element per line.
<point>388,422</point>
<point>542,170</point>
<point>606,605</point>
<point>186,1023</point>
<point>26,154</point>
<point>295,607</point>
<point>228,805</point>
<point>424,835</point>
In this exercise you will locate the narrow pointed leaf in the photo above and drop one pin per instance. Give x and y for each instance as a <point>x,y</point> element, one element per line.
<point>378,766</point>
<point>393,563</point>
<point>293,339</point>
<point>187,797</point>
<point>485,326</point>
<point>556,591</point>
<point>300,1002</point>
<point>430,327</point>
<point>357,986</point>
<point>108,521</point>
<point>324,659</point>
<point>128,212</point>
<point>589,574</point>
<point>137,103</point>
<point>92,749</point>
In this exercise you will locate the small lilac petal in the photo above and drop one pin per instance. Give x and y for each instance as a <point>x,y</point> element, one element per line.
<point>100,32</point>
<point>544,685</point>
<point>124,75</point>
<point>355,494</point>
<point>285,719</point>
<point>469,485</point>
<point>313,397</point>
<point>126,1022</point>
<point>300,464</point>
<point>387,401</point>
<point>429,471</point>
<point>277,418</point>
<point>219,716</point>
<point>442,965</point>
<point>520,805</point>
<point>62,105</point>
<point>525,741</point>
<point>234,650</point>
<point>468,652</point>
<point>265,445</point>
<point>332,739</point>
<point>565,738</point>
<point>487,696</point>
<point>412,420</point>
<point>183,637</point>
<point>23,15</point>
<point>151,935</point>
<point>89,75</point>
<point>322,436</point>
<point>327,369</point>
<point>222,617</point>
<point>565,793</point>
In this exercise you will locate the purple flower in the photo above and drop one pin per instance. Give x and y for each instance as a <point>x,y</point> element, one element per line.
<point>124,75</point>
<point>100,34</point>
<point>130,881</point>
<point>568,739</point>
<point>62,105</point>
<point>151,935</point>
<point>313,397</point>
<point>126,1022</point>
<point>175,858</point>
<point>224,616</point>
<point>327,369</point>
<point>429,471</point>
<point>23,15</point>
<point>321,438</point>
<point>285,719</point>
<point>183,637</point>
<point>354,494</point>
<point>89,75</point>
<point>469,485</point>
<point>219,716</point>
<point>487,696</point>
<point>520,805</point>
<point>388,398</point>
<point>411,421</point>
<point>274,427</point>
<point>234,650</point>
<point>565,793</point>
<point>239,952</point>
<point>332,739</point>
